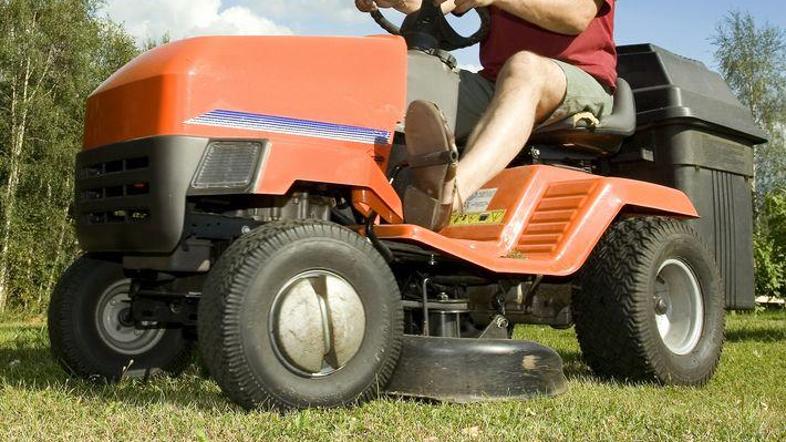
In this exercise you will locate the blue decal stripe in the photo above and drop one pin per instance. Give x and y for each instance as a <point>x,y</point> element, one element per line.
<point>290,126</point>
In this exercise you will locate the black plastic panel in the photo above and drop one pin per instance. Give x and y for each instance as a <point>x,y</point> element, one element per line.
<point>733,225</point>
<point>668,87</point>
<point>715,173</point>
<point>131,197</point>
<point>694,135</point>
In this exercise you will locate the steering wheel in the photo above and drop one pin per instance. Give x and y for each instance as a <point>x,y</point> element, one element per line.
<point>428,29</point>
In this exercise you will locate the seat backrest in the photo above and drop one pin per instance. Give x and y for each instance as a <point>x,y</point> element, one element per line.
<point>605,137</point>
<point>622,120</point>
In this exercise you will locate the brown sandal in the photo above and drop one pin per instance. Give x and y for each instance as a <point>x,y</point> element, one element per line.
<point>433,159</point>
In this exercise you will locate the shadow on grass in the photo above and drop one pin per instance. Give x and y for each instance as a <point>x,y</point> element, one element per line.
<point>27,364</point>
<point>574,366</point>
<point>34,369</point>
<point>757,334</point>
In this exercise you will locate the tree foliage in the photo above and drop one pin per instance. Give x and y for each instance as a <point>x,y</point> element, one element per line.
<point>53,53</point>
<point>752,58</point>
<point>770,244</point>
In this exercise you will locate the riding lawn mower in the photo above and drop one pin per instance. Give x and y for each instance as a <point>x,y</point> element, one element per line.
<point>243,195</point>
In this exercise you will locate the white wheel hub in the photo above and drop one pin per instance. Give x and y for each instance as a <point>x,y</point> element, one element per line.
<point>678,306</point>
<point>317,323</point>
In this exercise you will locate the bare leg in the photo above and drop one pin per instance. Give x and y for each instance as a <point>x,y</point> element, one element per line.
<point>529,89</point>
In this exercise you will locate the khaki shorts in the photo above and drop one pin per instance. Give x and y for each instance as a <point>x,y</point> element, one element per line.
<point>585,94</point>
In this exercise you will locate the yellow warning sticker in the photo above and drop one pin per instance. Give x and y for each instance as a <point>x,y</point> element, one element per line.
<point>477,219</point>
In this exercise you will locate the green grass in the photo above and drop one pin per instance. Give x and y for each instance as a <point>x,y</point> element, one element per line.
<point>745,401</point>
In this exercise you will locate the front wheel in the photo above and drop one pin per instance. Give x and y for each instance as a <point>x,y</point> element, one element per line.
<point>300,314</point>
<point>649,305</point>
<point>92,334</point>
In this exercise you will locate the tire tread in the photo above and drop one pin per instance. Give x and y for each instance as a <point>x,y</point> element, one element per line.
<point>64,346</point>
<point>610,313</point>
<point>221,305</point>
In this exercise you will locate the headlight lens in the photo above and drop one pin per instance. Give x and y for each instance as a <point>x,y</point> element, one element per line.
<point>228,164</point>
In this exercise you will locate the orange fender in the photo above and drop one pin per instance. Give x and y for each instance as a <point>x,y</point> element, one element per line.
<point>542,220</point>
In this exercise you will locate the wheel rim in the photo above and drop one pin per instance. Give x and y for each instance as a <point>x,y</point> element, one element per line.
<point>679,307</point>
<point>317,323</point>
<point>114,324</point>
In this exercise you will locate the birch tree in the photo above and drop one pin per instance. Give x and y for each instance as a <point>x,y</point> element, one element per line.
<point>52,54</point>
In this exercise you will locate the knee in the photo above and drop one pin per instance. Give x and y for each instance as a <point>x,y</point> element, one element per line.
<point>523,65</point>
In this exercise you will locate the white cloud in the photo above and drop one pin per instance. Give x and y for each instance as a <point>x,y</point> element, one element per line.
<point>341,11</point>
<point>145,19</point>
<point>151,19</point>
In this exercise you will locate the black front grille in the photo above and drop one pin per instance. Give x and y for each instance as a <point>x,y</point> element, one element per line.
<point>113,167</point>
<point>119,216</point>
<point>108,192</point>
<point>118,182</point>
<point>131,197</point>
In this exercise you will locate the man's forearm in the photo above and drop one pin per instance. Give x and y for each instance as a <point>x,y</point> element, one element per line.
<point>569,17</point>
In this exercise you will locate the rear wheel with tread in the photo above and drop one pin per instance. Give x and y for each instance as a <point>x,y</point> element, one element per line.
<point>648,304</point>
<point>92,334</point>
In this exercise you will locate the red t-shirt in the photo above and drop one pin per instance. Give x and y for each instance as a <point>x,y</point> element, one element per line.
<point>593,50</point>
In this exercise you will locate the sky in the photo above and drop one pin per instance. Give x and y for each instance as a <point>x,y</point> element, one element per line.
<point>682,26</point>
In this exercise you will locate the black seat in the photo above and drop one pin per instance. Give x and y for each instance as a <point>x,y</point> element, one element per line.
<point>603,138</point>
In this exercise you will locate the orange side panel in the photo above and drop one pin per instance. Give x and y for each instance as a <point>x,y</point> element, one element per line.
<point>354,166</point>
<point>542,220</point>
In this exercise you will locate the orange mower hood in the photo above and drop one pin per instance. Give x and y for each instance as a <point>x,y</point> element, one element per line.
<point>340,89</point>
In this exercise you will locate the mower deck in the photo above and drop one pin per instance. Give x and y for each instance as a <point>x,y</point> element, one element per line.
<point>476,370</point>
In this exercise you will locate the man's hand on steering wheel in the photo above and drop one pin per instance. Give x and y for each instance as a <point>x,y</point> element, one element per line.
<point>404,6</point>
<point>409,6</point>
<point>425,26</point>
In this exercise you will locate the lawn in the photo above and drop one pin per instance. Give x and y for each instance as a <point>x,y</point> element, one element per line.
<point>745,401</point>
